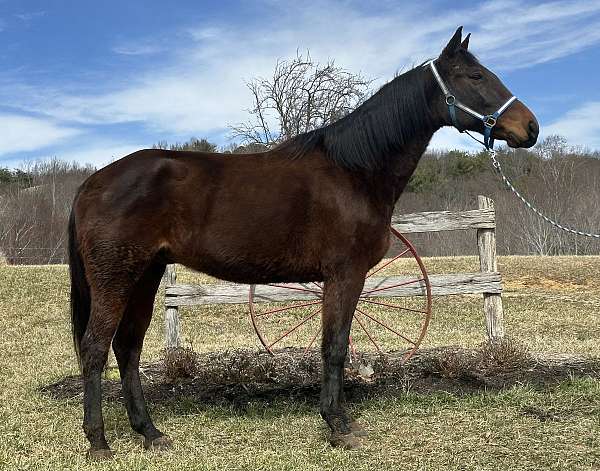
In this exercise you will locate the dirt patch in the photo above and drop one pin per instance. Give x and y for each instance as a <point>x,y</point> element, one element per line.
<point>541,283</point>
<point>239,377</point>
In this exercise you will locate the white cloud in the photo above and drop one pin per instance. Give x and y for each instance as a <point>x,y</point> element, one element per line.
<point>449,138</point>
<point>133,49</point>
<point>579,126</point>
<point>24,133</point>
<point>100,153</point>
<point>202,89</point>
<point>200,34</point>
<point>28,17</point>
<point>538,33</point>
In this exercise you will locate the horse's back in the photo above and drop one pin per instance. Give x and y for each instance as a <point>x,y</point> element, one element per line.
<point>246,218</point>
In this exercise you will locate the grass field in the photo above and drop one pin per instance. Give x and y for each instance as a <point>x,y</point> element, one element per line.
<point>551,305</point>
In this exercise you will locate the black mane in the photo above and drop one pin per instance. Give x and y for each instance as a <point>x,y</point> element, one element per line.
<point>377,130</point>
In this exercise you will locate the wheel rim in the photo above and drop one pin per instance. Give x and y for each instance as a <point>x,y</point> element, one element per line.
<point>289,314</point>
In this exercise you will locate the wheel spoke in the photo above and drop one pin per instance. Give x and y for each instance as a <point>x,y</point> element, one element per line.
<point>312,340</point>
<point>385,326</point>
<point>395,306</point>
<point>368,334</point>
<point>288,332</point>
<point>376,321</point>
<point>352,349</point>
<point>387,263</point>
<point>417,280</point>
<point>287,308</point>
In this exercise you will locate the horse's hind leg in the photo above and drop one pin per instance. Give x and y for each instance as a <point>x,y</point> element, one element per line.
<point>112,275</point>
<point>339,302</point>
<point>106,313</point>
<point>127,346</point>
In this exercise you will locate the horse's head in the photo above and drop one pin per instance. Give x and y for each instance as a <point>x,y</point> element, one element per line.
<point>475,98</point>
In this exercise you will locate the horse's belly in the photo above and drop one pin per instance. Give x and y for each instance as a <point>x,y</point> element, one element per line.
<point>298,257</point>
<point>250,255</point>
<point>253,270</point>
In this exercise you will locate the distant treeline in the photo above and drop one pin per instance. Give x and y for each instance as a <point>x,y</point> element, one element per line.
<point>203,145</point>
<point>560,180</point>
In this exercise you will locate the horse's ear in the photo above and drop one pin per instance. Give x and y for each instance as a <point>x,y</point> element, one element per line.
<point>453,44</point>
<point>465,43</point>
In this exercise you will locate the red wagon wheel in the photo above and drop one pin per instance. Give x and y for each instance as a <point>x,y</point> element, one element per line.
<point>392,314</point>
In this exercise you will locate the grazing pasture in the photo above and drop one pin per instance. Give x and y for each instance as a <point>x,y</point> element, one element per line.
<point>542,418</point>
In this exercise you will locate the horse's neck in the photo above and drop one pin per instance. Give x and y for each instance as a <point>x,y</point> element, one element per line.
<point>404,163</point>
<point>387,184</point>
<point>394,179</point>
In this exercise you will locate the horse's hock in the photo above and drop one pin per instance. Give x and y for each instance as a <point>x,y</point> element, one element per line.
<point>486,282</point>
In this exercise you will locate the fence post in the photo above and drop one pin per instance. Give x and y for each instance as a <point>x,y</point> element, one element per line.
<point>492,303</point>
<point>172,331</point>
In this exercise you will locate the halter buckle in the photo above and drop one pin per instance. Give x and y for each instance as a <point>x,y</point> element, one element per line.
<point>489,121</point>
<point>450,100</point>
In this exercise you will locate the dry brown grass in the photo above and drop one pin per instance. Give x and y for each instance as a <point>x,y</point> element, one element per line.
<point>178,363</point>
<point>521,427</point>
<point>502,355</point>
<point>455,363</point>
<point>492,357</point>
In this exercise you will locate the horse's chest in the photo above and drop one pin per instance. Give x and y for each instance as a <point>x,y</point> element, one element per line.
<point>364,245</point>
<point>377,245</point>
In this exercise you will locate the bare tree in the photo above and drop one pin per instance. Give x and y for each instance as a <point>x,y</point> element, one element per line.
<point>34,211</point>
<point>552,146</point>
<point>202,145</point>
<point>301,95</point>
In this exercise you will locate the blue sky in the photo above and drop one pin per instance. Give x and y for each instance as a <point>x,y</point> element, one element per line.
<point>93,81</point>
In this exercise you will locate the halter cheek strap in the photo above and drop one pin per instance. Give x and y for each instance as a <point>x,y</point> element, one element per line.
<point>489,121</point>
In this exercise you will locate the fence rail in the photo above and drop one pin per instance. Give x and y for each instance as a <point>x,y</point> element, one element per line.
<point>438,221</point>
<point>231,293</point>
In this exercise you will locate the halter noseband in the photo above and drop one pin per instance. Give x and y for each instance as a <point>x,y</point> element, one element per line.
<point>489,121</point>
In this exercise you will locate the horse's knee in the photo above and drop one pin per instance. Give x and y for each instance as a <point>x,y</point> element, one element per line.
<point>93,356</point>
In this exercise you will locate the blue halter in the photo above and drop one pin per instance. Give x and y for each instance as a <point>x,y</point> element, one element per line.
<point>489,121</point>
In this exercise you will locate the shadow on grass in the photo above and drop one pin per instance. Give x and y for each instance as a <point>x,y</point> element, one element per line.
<point>239,379</point>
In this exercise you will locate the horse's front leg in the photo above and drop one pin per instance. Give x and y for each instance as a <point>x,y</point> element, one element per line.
<point>340,297</point>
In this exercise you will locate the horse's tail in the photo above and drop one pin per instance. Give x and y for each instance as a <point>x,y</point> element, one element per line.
<point>80,289</point>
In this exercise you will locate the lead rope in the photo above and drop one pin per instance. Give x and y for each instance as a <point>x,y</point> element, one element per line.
<point>498,168</point>
<point>489,122</point>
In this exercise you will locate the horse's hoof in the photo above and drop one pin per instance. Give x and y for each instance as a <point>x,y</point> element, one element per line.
<point>161,443</point>
<point>347,441</point>
<point>357,429</point>
<point>103,454</point>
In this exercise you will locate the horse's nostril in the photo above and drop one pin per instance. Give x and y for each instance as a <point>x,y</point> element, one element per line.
<point>534,128</point>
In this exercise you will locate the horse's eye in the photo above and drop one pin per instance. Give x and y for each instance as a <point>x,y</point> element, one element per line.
<point>476,76</point>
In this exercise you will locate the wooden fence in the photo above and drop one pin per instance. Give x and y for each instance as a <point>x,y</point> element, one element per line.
<point>487,281</point>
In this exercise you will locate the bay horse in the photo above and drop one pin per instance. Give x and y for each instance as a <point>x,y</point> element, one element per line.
<point>271,217</point>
